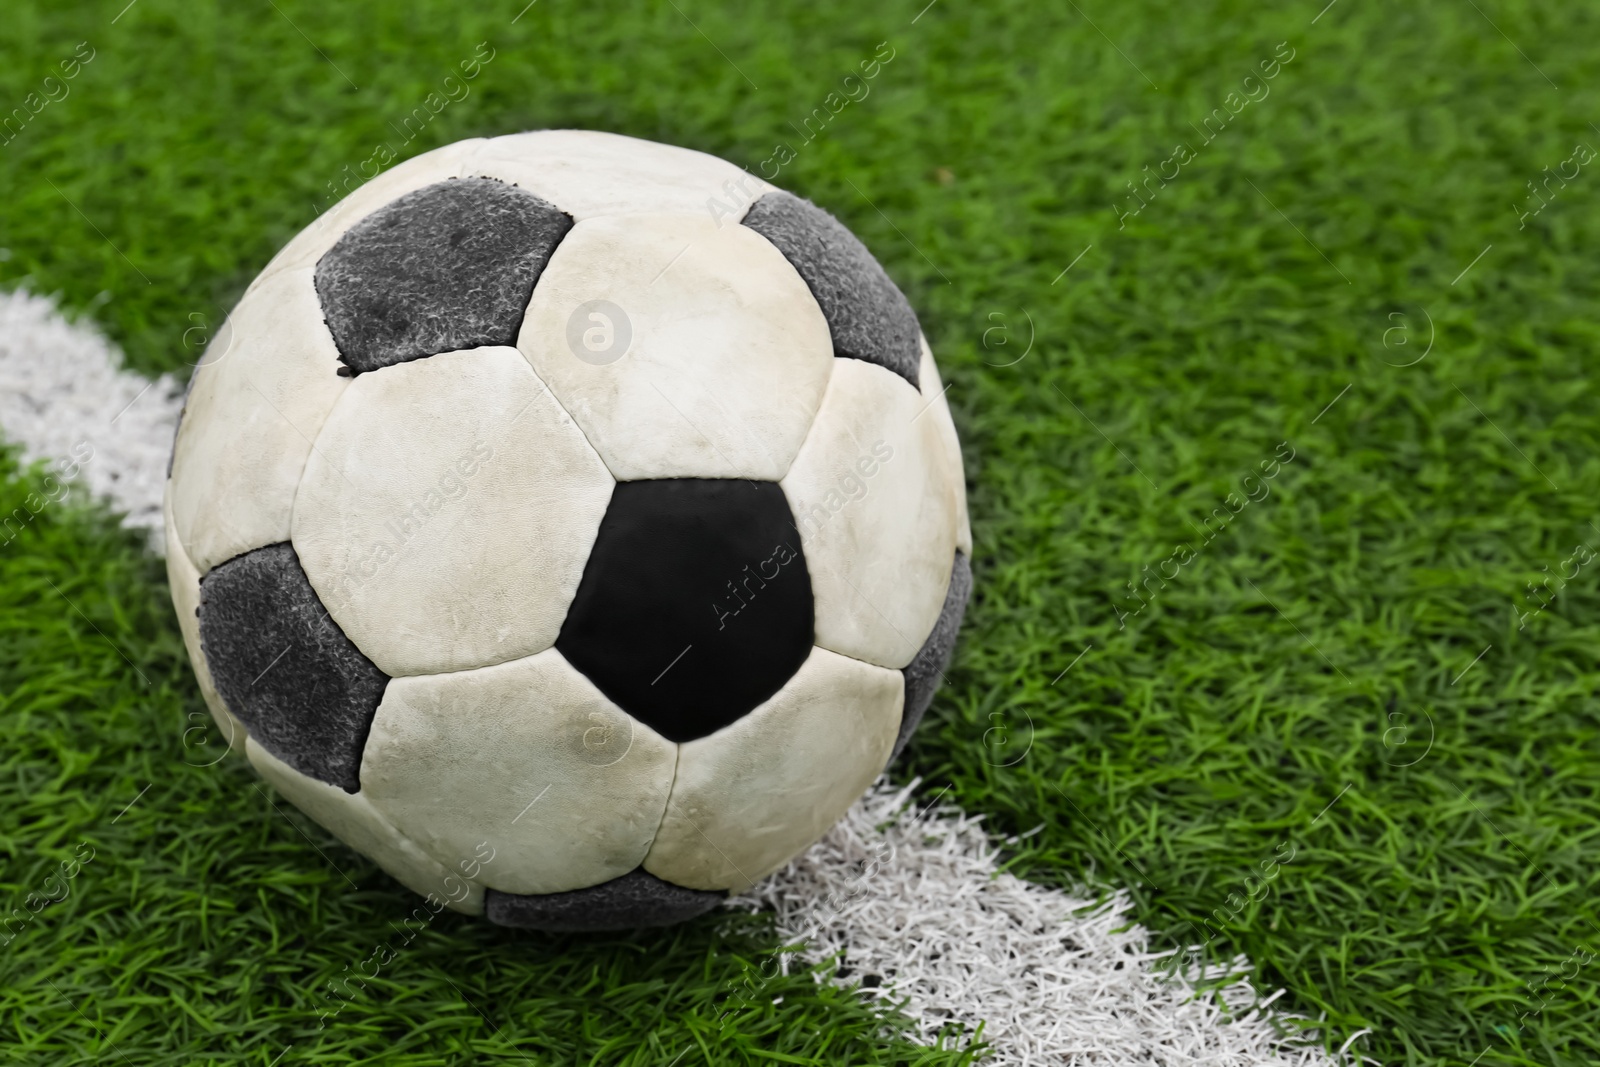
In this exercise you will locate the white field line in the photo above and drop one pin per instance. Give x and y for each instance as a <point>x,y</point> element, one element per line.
<point>1051,977</point>
<point>63,394</point>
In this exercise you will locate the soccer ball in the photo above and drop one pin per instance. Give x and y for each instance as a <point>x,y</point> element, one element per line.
<point>572,524</point>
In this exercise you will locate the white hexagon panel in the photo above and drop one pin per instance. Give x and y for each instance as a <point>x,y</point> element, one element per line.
<point>573,525</point>
<point>683,332</point>
<point>446,513</point>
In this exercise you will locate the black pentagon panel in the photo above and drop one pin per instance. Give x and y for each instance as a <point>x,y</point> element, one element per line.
<point>926,668</point>
<point>447,267</point>
<point>284,668</point>
<point>868,316</point>
<point>636,899</point>
<point>695,605</point>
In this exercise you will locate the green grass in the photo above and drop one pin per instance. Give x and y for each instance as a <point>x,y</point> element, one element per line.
<point>1321,650</point>
<point>163,910</point>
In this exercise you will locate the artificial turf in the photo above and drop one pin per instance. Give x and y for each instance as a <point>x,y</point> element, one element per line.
<point>163,906</point>
<point>1346,691</point>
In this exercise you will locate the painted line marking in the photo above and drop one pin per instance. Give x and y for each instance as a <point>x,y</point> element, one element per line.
<point>130,404</point>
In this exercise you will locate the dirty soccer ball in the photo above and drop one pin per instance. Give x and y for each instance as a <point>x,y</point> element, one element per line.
<point>572,524</point>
